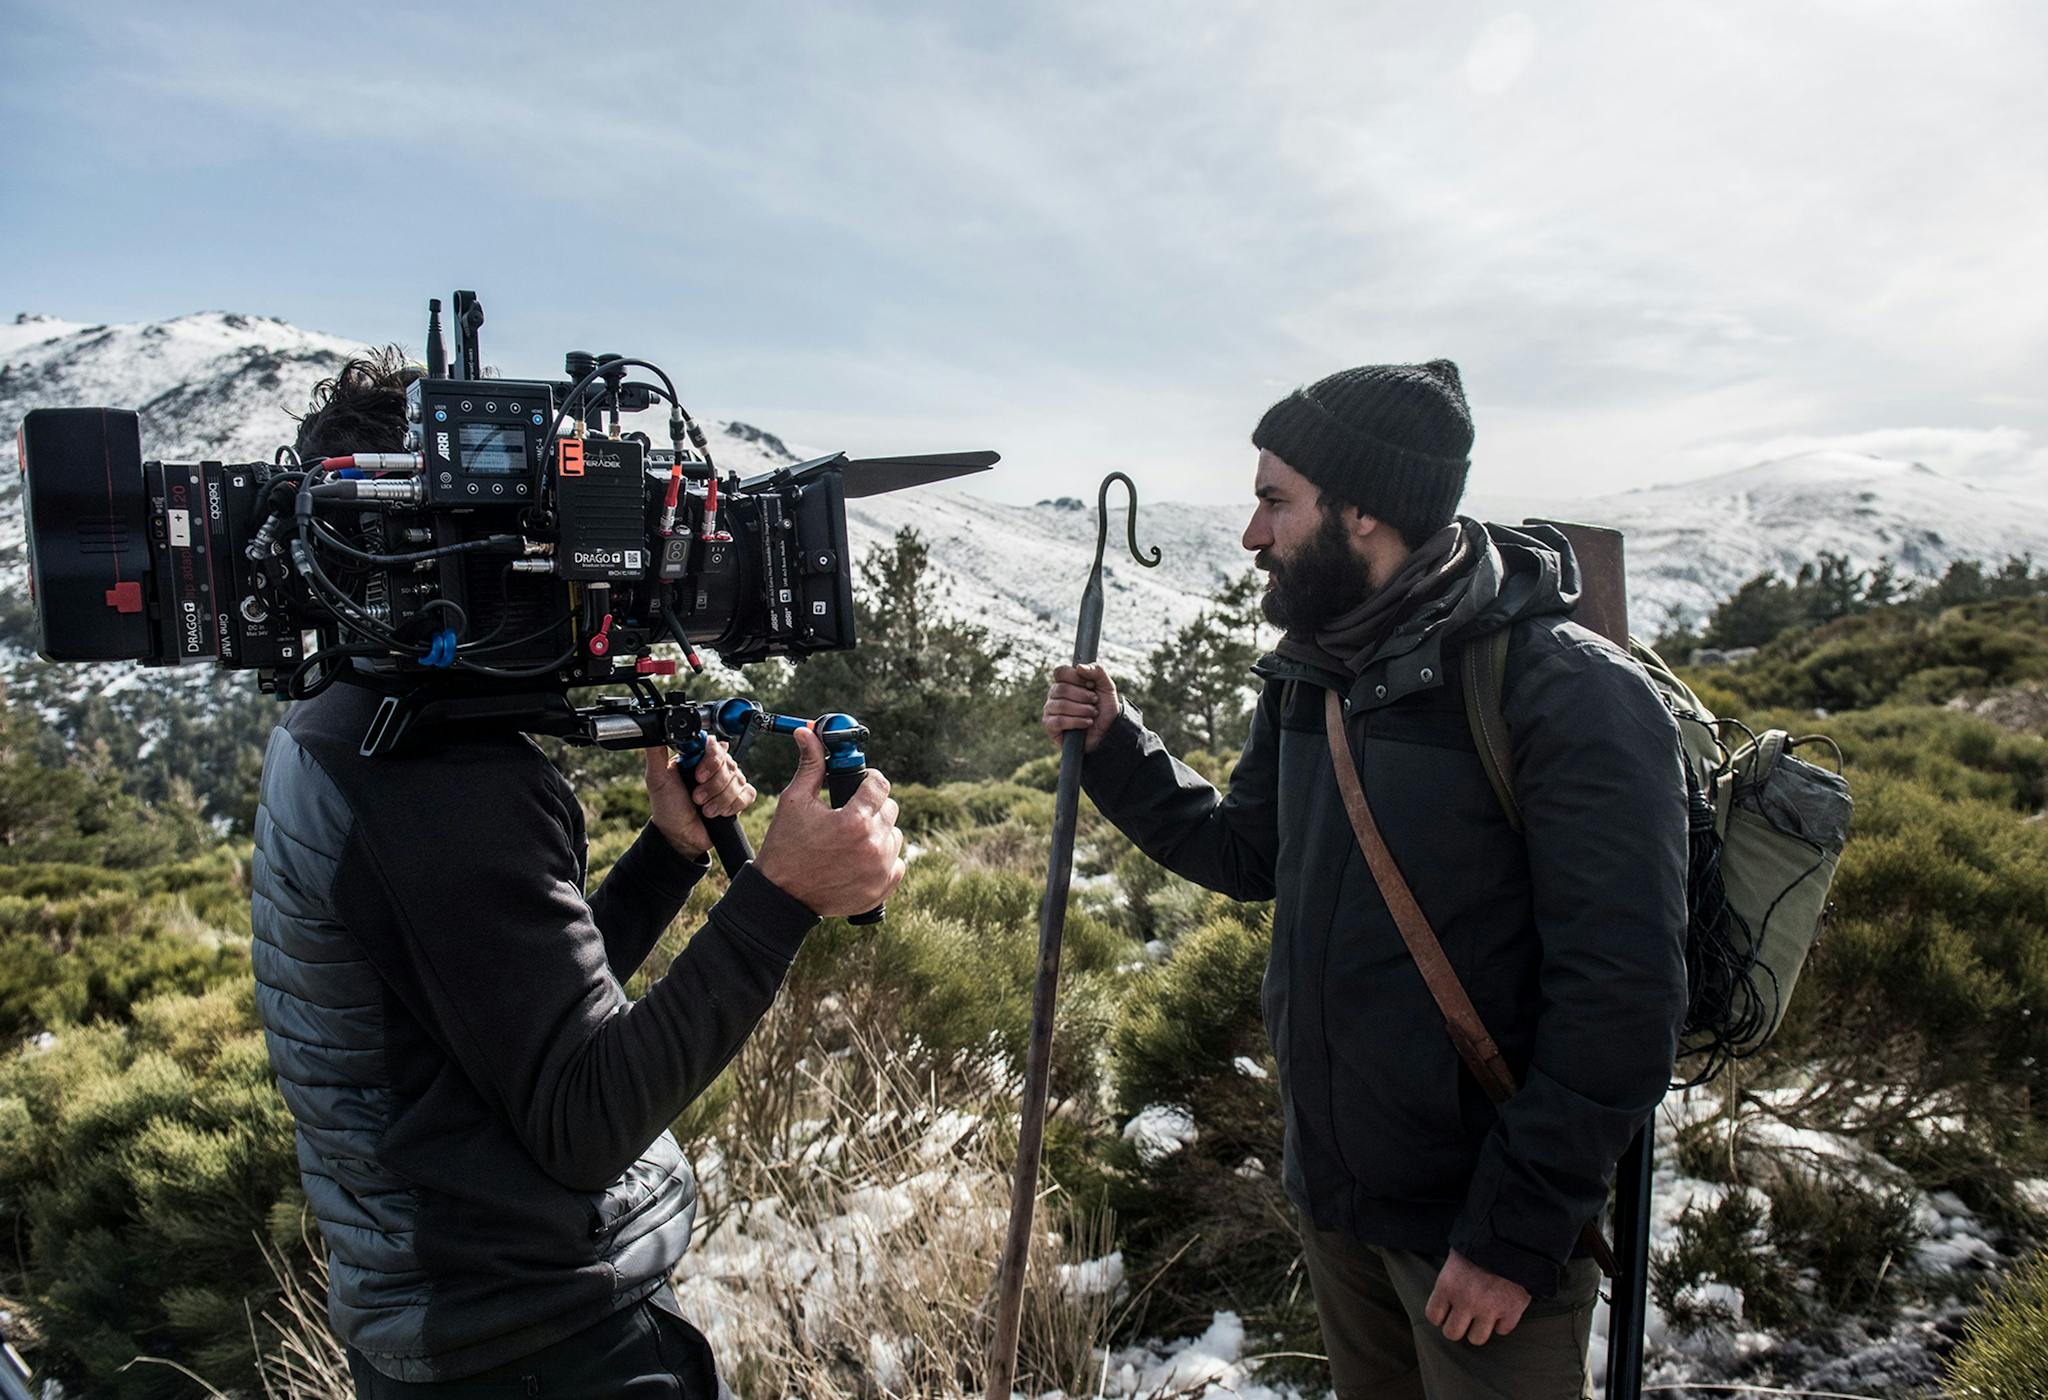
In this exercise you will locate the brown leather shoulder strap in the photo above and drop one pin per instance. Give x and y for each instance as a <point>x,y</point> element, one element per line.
<point>1468,1032</point>
<point>1461,1017</point>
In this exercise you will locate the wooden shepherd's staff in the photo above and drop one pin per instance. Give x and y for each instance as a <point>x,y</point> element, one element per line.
<point>1052,925</point>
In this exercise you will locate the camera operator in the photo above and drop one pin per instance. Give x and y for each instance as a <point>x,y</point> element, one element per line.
<point>1439,1235</point>
<point>482,1113</point>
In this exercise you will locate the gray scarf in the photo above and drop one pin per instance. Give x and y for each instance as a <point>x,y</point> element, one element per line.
<point>1347,645</point>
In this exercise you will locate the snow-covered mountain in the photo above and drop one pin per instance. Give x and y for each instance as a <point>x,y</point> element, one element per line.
<point>1692,543</point>
<point>219,385</point>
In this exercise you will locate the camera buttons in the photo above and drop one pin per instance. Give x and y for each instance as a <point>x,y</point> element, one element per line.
<point>515,408</point>
<point>474,488</point>
<point>465,405</point>
<point>536,420</point>
<point>440,415</point>
<point>497,488</point>
<point>491,407</point>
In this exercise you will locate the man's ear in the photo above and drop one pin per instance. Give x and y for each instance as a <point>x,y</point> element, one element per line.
<point>1358,525</point>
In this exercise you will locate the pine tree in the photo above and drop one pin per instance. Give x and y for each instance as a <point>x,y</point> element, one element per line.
<point>931,687</point>
<point>1757,612</point>
<point>1197,684</point>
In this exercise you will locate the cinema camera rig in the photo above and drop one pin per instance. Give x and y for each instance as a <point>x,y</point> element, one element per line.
<point>520,548</point>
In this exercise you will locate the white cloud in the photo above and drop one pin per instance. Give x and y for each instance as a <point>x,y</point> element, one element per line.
<point>1654,235</point>
<point>1501,53</point>
<point>2012,458</point>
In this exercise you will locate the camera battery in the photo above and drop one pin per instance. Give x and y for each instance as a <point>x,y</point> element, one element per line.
<point>602,510</point>
<point>184,562</point>
<point>252,628</point>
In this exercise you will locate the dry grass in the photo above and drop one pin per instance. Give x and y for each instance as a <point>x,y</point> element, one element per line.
<point>857,1260</point>
<point>297,1354</point>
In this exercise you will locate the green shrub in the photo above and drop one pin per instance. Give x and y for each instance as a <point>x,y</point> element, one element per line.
<point>623,801</point>
<point>1721,1241</point>
<point>1812,1245</point>
<point>1185,1024</point>
<point>1042,773</point>
<point>56,880</point>
<point>1215,1208</point>
<point>140,1165</point>
<point>953,967</point>
<point>924,812</point>
<point>989,803</point>
<point>1952,755</point>
<point>1851,1239</point>
<point>2004,1355</point>
<point>1980,1162</point>
<point>212,887</point>
<point>1894,654</point>
<point>1933,971</point>
<point>68,960</point>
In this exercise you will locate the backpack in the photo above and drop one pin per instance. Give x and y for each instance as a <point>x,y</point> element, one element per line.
<point>1766,831</point>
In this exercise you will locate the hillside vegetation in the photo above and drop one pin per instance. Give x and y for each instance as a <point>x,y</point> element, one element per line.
<point>1863,1181</point>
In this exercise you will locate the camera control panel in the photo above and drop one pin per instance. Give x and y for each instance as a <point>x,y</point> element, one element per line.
<point>482,441</point>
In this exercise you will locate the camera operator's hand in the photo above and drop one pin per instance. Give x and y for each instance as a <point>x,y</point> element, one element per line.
<point>1081,697</point>
<point>678,801</point>
<point>837,863</point>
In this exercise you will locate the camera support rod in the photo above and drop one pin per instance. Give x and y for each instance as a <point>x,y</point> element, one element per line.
<point>1052,924</point>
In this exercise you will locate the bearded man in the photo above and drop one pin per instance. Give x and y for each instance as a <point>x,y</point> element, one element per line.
<point>1442,1235</point>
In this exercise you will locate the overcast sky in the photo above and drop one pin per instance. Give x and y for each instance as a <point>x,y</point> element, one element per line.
<point>1659,238</point>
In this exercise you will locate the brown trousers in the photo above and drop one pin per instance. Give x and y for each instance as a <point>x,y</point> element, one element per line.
<point>1370,1302</point>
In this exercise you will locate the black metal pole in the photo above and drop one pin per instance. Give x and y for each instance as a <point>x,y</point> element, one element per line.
<point>1603,606</point>
<point>1628,1307</point>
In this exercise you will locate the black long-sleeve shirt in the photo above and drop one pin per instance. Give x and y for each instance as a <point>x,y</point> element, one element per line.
<point>480,1105</point>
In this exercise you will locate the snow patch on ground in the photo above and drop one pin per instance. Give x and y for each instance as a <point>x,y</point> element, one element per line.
<point>1159,1131</point>
<point>1215,1362</point>
<point>1092,1276</point>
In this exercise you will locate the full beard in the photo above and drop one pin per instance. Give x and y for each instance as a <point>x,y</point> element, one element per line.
<point>1319,585</point>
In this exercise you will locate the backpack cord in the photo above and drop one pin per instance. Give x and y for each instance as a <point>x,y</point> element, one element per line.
<point>1727,1010</point>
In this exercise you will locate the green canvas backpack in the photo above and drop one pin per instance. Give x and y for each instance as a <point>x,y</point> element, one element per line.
<point>1766,832</point>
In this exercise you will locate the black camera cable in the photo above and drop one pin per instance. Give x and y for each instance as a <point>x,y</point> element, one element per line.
<point>681,425</point>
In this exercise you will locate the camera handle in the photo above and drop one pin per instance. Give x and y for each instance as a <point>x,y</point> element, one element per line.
<point>734,850</point>
<point>846,760</point>
<point>846,768</point>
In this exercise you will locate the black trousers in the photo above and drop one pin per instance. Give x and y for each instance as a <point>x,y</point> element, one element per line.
<point>645,1352</point>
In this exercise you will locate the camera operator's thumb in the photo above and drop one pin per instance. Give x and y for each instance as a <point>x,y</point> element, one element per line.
<point>809,778</point>
<point>836,862</point>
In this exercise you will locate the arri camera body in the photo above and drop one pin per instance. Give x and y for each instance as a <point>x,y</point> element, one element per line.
<point>521,546</point>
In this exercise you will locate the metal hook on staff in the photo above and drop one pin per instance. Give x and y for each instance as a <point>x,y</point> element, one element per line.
<point>1052,924</point>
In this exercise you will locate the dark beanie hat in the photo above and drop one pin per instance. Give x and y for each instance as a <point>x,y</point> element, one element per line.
<point>1393,440</point>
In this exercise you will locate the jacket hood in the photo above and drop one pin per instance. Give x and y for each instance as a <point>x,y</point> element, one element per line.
<point>1522,571</point>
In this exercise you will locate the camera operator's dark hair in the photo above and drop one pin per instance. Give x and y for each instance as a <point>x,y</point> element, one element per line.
<point>361,409</point>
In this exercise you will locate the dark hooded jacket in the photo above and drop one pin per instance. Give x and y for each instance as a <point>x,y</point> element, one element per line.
<point>1568,935</point>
